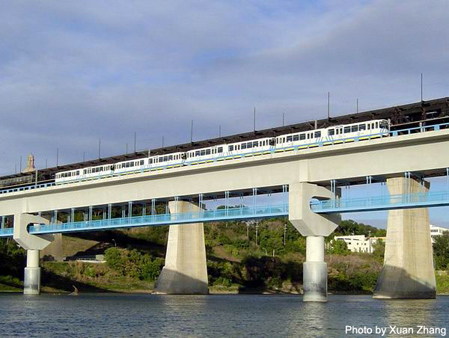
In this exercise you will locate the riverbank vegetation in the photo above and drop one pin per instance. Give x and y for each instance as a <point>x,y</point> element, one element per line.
<point>263,257</point>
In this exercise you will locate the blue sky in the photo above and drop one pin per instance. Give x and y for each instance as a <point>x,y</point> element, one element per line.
<point>74,72</point>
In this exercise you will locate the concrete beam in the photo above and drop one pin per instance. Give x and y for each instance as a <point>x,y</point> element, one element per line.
<point>381,157</point>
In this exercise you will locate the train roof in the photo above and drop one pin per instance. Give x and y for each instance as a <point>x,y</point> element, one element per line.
<point>402,116</point>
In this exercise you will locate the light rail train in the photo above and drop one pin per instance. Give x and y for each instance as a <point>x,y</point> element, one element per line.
<point>299,140</point>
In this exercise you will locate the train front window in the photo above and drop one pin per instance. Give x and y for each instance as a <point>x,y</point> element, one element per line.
<point>384,124</point>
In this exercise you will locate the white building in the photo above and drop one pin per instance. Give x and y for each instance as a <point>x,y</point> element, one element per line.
<point>436,231</point>
<point>359,243</point>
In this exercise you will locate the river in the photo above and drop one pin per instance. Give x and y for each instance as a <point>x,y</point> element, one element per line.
<point>143,315</point>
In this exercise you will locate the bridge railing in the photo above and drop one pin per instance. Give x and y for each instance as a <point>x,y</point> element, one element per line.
<point>383,202</point>
<point>242,212</point>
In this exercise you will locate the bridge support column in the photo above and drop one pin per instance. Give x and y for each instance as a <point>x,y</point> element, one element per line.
<point>408,270</point>
<point>185,270</point>
<point>33,244</point>
<point>314,227</point>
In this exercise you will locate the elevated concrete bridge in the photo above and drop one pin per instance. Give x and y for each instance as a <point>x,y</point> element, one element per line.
<point>309,173</point>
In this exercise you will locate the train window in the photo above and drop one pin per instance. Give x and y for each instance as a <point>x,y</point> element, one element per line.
<point>295,137</point>
<point>302,136</point>
<point>207,151</point>
<point>331,132</point>
<point>362,127</point>
<point>255,144</point>
<point>347,130</point>
<point>384,124</point>
<point>369,126</point>
<point>317,134</point>
<point>197,153</point>
<point>377,124</point>
<point>220,149</point>
<point>372,126</point>
<point>289,138</point>
<point>243,145</point>
<point>354,129</point>
<point>231,148</point>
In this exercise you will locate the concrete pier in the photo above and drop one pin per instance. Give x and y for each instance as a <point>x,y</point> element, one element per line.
<point>315,227</point>
<point>185,270</point>
<point>408,270</point>
<point>32,280</point>
<point>33,244</point>
<point>315,271</point>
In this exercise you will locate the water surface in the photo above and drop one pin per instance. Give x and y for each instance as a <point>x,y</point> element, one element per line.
<point>142,315</point>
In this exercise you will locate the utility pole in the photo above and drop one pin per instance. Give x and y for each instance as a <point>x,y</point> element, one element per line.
<point>421,87</point>
<point>254,119</point>
<point>257,233</point>
<point>285,233</point>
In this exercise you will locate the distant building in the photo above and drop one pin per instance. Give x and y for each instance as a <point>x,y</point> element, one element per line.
<point>359,243</point>
<point>436,231</point>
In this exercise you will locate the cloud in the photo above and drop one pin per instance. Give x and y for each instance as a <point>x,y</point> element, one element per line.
<point>75,72</point>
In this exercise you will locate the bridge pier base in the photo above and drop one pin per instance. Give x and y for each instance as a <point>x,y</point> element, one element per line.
<point>315,271</point>
<point>408,271</point>
<point>185,270</point>
<point>314,227</point>
<point>32,280</point>
<point>33,244</point>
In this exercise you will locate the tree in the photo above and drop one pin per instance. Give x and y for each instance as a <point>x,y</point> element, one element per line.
<point>441,251</point>
<point>339,247</point>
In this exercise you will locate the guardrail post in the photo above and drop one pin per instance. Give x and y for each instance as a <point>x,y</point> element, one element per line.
<point>90,213</point>
<point>254,200</point>
<point>72,215</point>
<point>109,211</point>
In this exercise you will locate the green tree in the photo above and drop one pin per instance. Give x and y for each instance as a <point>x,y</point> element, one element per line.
<point>441,251</point>
<point>338,247</point>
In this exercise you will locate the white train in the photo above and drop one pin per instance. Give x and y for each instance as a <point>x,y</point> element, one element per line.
<point>300,140</point>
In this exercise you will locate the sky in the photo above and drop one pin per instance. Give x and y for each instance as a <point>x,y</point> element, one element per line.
<point>76,72</point>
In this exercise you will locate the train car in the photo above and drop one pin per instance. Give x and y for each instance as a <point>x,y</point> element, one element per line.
<point>304,139</point>
<point>360,131</point>
<point>205,155</point>
<point>251,148</point>
<point>130,167</point>
<point>68,176</point>
<point>166,161</point>
<point>101,171</point>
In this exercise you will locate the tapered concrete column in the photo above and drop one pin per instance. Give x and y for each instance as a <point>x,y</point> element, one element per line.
<point>408,270</point>
<point>33,244</point>
<point>315,227</point>
<point>315,271</point>
<point>185,270</point>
